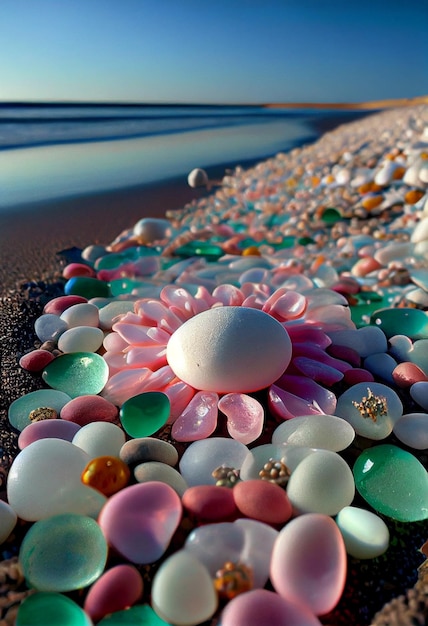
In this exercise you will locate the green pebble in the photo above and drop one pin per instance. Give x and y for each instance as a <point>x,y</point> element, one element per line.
<point>63,552</point>
<point>115,259</point>
<point>200,248</point>
<point>77,373</point>
<point>87,287</point>
<point>331,216</point>
<point>143,415</point>
<point>305,241</point>
<point>50,609</point>
<point>393,482</point>
<point>401,321</point>
<point>138,615</point>
<point>119,286</point>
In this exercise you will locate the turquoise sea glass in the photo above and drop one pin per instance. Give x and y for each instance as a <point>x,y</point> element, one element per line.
<point>77,373</point>
<point>393,482</point>
<point>402,321</point>
<point>139,615</point>
<point>87,287</point>
<point>50,609</point>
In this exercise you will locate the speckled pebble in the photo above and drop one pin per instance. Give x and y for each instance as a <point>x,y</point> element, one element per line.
<point>89,408</point>
<point>145,449</point>
<point>155,470</point>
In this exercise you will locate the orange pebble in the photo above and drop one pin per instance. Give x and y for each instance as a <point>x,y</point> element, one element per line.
<point>320,259</point>
<point>413,195</point>
<point>329,179</point>
<point>107,474</point>
<point>398,173</point>
<point>371,202</point>
<point>251,251</point>
<point>315,181</point>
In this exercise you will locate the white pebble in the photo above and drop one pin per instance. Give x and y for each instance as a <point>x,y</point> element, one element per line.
<point>412,430</point>
<point>365,534</point>
<point>315,431</point>
<point>81,339</point>
<point>100,439</point>
<point>82,314</point>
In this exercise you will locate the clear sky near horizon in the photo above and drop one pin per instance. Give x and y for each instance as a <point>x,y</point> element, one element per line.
<point>226,51</point>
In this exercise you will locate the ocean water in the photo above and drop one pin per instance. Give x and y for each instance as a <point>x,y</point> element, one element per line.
<point>56,151</point>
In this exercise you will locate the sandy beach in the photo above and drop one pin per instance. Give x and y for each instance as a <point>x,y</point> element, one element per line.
<point>305,182</point>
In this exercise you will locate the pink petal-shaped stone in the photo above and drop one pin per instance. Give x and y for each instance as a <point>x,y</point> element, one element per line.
<point>308,333</point>
<point>320,372</point>
<point>179,299</point>
<point>139,521</point>
<point>332,316</point>
<point>309,390</point>
<point>317,354</point>
<point>199,419</point>
<point>289,306</point>
<point>113,342</point>
<point>137,335</point>
<point>286,405</point>
<point>229,295</point>
<point>179,394</point>
<point>245,416</point>
<point>125,384</point>
<point>153,357</point>
<point>308,564</point>
<point>155,313</point>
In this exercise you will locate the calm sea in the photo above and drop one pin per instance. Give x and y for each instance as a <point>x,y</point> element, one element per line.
<point>55,151</point>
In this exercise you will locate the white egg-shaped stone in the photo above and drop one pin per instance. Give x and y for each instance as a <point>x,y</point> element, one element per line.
<point>81,339</point>
<point>8,519</point>
<point>365,534</point>
<point>100,439</point>
<point>371,408</point>
<point>321,483</point>
<point>151,229</point>
<point>183,592</point>
<point>315,431</point>
<point>227,349</point>
<point>412,430</point>
<point>197,178</point>
<point>82,314</point>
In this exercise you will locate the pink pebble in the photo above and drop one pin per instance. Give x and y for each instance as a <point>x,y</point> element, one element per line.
<point>139,521</point>
<point>86,409</point>
<point>209,503</point>
<point>407,373</point>
<point>36,360</point>
<point>261,606</point>
<point>345,354</point>
<point>365,266</point>
<point>56,428</point>
<point>116,590</point>
<point>78,269</point>
<point>347,286</point>
<point>308,564</point>
<point>62,303</point>
<point>263,501</point>
<point>357,375</point>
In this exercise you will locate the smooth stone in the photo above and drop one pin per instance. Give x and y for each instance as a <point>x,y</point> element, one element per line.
<point>201,458</point>
<point>100,439</point>
<point>393,482</point>
<point>92,252</point>
<point>381,365</point>
<point>315,431</point>
<point>56,428</point>
<point>259,539</point>
<point>150,229</point>
<point>86,409</point>
<point>117,589</point>
<point>418,354</point>
<point>365,341</point>
<point>215,544</point>
<point>144,449</point>
<point>263,501</point>
<point>407,321</point>
<point>77,269</point>
<point>87,287</point>
<point>308,550</point>
<point>139,521</point>
<point>50,609</point>
<point>207,351</point>
<point>365,534</point>
<point>182,591</point>
<point>81,339</point>
<point>199,418</point>
<point>406,374</point>
<point>393,252</point>
<point>21,408</point>
<point>77,374</point>
<point>50,560</point>
<point>145,414</point>
<point>245,416</point>
<point>108,314</point>
<point>48,327</point>
<point>197,178</point>
<point>36,360</point>
<point>44,480</point>
<point>419,393</point>
<point>357,375</point>
<point>420,276</point>
<point>377,426</point>
<point>208,503</point>
<point>261,606</point>
<point>57,306</point>
<point>8,519</point>
<point>321,483</point>
<point>412,430</point>
<point>154,470</point>
<point>83,314</point>
<point>418,296</point>
<point>420,232</point>
<point>400,346</point>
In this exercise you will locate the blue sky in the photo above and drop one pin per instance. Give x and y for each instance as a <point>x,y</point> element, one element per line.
<point>227,51</point>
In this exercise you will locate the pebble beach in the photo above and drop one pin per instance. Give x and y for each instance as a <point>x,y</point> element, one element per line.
<point>217,415</point>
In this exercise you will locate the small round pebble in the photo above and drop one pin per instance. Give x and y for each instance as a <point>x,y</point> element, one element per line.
<point>365,534</point>
<point>154,470</point>
<point>117,589</point>
<point>145,449</point>
<point>209,503</point>
<point>89,408</point>
<point>36,360</point>
<point>263,501</point>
